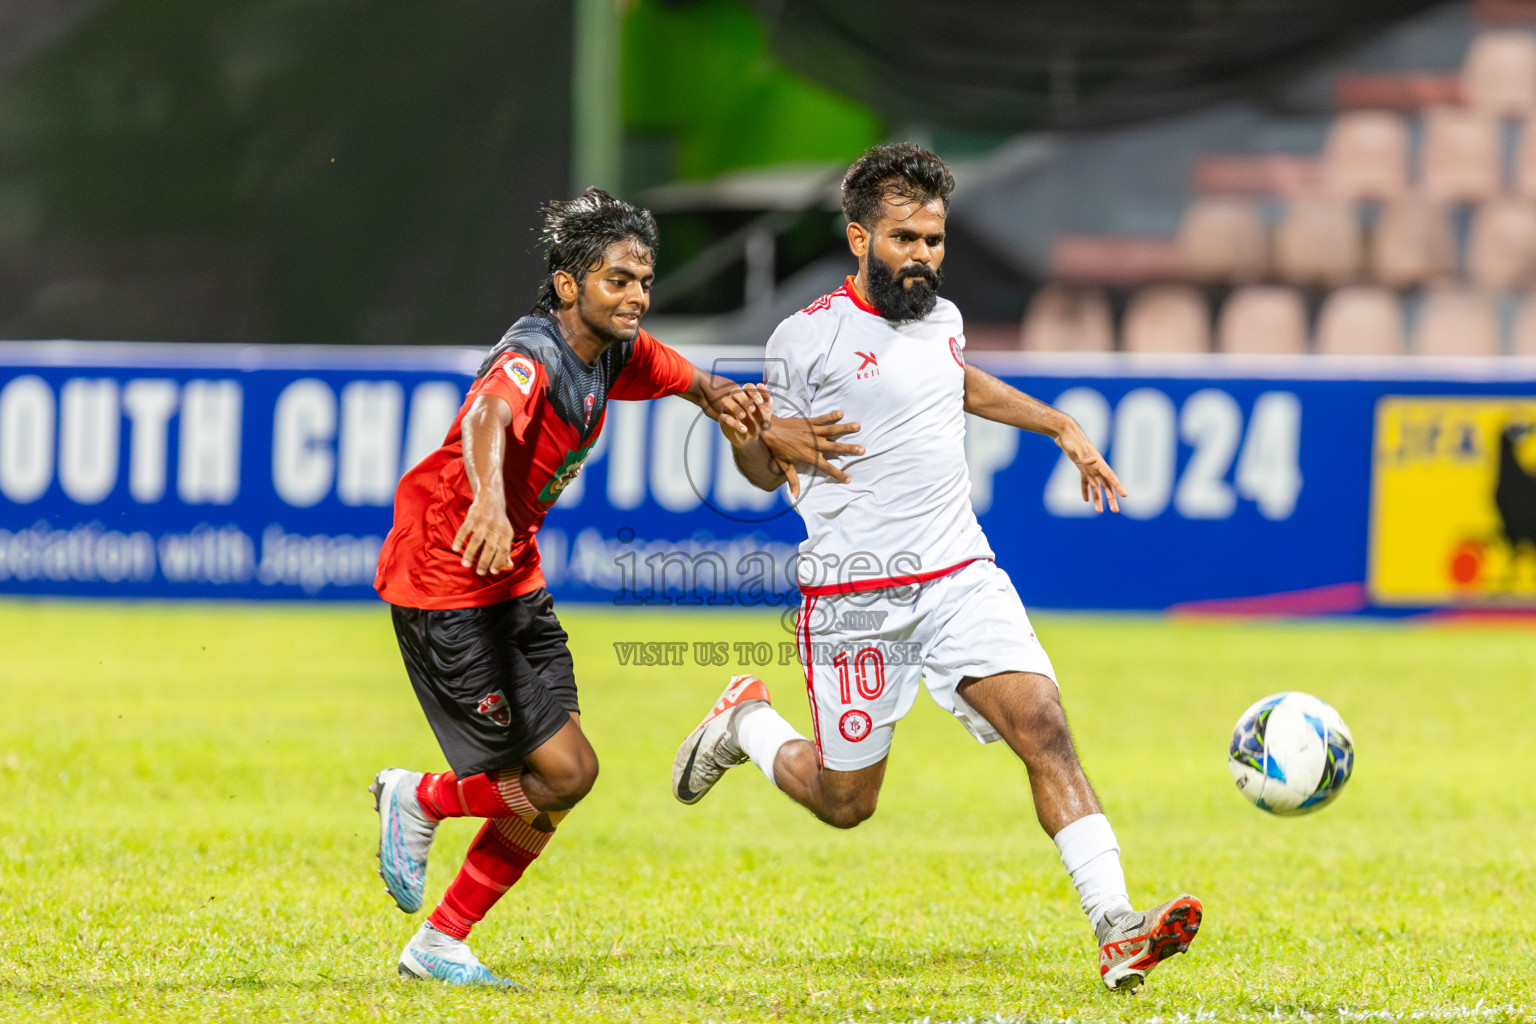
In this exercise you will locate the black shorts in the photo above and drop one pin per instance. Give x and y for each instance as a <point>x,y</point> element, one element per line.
<point>495,682</point>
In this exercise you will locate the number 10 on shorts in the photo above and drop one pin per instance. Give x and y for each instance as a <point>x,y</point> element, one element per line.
<point>868,678</point>
<point>868,674</point>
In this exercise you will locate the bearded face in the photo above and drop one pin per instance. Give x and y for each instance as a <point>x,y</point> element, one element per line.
<point>902,253</point>
<point>903,295</point>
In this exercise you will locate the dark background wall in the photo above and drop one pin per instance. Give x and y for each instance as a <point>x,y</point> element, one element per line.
<point>342,171</point>
<point>335,171</point>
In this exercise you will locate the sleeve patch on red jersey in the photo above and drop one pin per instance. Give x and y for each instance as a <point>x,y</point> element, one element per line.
<point>520,370</point>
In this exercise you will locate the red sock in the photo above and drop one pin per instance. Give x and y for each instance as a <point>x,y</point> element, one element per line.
<point>487,795</point>
<point>438,795</point>
<point>496,860</point>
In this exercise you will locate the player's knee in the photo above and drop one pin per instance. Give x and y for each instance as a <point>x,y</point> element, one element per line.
<point>571,778</point>
<point>851,812</point>
<point>1044,723</point>
<point>584,778</point>
<point>848,817</point>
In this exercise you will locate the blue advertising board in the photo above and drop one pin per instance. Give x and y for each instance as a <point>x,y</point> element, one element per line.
<point>192,471</point>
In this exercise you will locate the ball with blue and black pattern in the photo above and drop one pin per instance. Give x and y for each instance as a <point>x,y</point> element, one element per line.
<point>1291,753</point>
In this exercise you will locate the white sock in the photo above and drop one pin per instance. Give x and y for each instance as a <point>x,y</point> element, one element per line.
<point>430,940</point>
<point>761,732</point>
<point>1091,856</point>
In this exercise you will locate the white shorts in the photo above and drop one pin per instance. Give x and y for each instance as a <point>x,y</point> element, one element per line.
<point>864,654</point>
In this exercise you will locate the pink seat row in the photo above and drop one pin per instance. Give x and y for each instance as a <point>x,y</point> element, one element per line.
<point>1273,319</point>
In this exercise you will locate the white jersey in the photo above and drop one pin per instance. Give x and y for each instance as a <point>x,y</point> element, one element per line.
<point>908,507</point>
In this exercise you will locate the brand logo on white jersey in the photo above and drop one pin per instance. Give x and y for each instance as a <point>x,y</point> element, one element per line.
<point>869,367</point>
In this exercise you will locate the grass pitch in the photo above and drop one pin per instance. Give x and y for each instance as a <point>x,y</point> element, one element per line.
<point>185,835</point>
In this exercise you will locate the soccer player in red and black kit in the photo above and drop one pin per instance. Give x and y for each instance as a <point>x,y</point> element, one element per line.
<point>477,630</point>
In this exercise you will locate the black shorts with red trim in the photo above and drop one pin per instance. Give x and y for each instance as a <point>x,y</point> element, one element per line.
<point>495,682</point>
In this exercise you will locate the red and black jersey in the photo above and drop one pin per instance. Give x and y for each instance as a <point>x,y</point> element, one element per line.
<point>558,407</point>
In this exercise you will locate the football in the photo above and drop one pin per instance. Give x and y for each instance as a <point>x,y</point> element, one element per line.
<point>1291,754</point>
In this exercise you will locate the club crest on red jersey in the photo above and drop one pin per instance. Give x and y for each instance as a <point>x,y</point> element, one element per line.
<point>870,367</point>
<point>520,370</point>
<point>495,707</point>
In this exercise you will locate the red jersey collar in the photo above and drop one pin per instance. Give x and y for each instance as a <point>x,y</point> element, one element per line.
<point>852,293</point>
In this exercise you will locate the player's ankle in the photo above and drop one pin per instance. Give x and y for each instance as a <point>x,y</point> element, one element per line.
<point>763,734</point>
<point>444,928</point>
<point>431,939</point>
<point>1106,916</point>
<point>428,798</point>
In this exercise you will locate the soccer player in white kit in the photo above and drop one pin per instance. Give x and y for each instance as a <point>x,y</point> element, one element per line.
<point>899,583</point>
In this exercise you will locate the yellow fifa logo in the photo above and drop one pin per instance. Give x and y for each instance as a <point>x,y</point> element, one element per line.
<point>1453,502</point>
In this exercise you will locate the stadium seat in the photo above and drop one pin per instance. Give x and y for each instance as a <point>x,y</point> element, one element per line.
<point>1167,318</point>
<point>1068,318</point>
<point>1524,341</point>
<point>1462,155</point>
<point>1457,321</point>
<point>1265,174</point>
<point>1412,90</point>
<point>1268,319</point>
<point>1114,259</point>
<point>1360,321</point>
<point>1501,251</point>
<point>1525,160</point>
<point>1318,243</point>
<point>1500,73</point>
<point>1367,156</point>
<point>1412,245</point>
<point>1223,239</point>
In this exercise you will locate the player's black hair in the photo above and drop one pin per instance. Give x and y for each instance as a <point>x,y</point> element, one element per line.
<point>578,231</point>
<point>900,172</point>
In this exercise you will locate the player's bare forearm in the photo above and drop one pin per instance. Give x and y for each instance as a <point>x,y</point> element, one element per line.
<point>484,540</point>
<point>991,399</point>
<point>768,447</point>
<point>740,409</point>
<point>758,465</point>
<point>744,413</point>
<point>708,390</point>
<point>485,439</point>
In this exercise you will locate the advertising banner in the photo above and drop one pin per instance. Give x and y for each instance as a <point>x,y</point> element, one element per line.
<point>209,471</point>
<point>1454,502</point>
<point>1292,485</point>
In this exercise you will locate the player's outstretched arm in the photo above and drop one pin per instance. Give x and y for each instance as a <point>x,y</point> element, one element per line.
<point>745,422</point>
<point>991,399</point>
<point>796,440</point>
<point>767,448</point>
<point>741,411</point>
<point>484,541</point>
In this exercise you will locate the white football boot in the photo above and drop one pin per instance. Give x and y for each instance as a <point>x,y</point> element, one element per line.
<point>405,836</point>
<point>712,748</point>
<point>1142,939</point>
<point>433,956</point>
